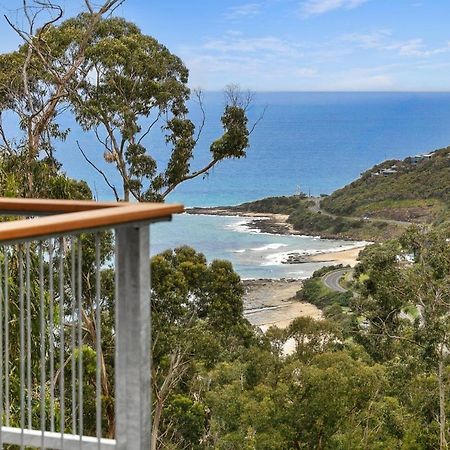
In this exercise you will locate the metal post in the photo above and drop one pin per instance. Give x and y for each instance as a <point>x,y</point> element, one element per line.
<point>133,388</point>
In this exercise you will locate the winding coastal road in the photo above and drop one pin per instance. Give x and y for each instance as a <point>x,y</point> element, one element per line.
<point>317,209</point>
<point>331,280</point>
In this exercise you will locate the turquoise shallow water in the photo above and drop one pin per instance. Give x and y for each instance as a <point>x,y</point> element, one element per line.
<point>317,142</point>
<point>253,254</point>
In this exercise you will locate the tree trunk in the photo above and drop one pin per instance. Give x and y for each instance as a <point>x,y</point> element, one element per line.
<point>126,192</point>
<point>155,424</point>
<point>89,325</point>
<point>442,419</point>
<point>174,373</point>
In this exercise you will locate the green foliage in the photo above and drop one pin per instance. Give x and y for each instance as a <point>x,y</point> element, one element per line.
<point>326,269</point>
<point>307,221</point>
<point>335,305</point>
<point>235,139</point>
<point>313,223</point>
<point>136,84</point>
<point>122,85</point>
<point>315,292</point>
<point>49,182</point>
<point>416,193</point>
<point>412,272</point>
<point>333,401</point>
<point>189,418</point>
<point>313,337</point>
<point>219,383</point>
<point>186,287</point>
<point>275,205</point>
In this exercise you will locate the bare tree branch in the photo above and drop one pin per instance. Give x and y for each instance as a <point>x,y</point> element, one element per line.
<point>199,94</point>
<point>103,142</point>
<point>113,8</point>
<point>258,120</point>
<point>3,135</point>
<point>111,186</point>
<point>38,122</point>
<point>149,128</point>
<point>89,6</point>
<point>193,175</point>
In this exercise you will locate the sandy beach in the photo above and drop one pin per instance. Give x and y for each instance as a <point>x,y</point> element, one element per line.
<point>272,302</point>
<point>344,257</point>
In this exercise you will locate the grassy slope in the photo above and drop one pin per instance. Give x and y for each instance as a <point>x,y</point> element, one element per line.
<point>419,193</point>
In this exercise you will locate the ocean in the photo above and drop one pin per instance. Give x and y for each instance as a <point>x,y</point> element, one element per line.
<point>313,142</point>
<point>253,254</point>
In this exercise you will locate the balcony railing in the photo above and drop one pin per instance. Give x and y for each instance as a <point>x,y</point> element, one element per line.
<point>75,324</point>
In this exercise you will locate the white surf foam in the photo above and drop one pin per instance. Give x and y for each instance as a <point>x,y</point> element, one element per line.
<point>274,246</point>
<point>278,258</point>
<point>241,226</point>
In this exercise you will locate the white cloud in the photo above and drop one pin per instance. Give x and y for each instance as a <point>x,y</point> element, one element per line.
<point>260,62</point>
<point>271,62</point>
<point>382,40</point>
<point>361,81</point>
<point>266,45</point>
<point>243,11</point>
<point>317,7</point>
<point>304,72</point>
<point>417,48</point>
<point>374,39</point>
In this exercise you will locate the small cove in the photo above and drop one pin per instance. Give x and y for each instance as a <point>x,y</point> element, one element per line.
<point>254,255</point>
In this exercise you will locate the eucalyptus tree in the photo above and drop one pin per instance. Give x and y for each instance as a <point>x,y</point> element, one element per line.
<point>49,182</point>
<point>120,84</point>
<point>134,85</point>
<point>34,80</point>
<point>197,321</point>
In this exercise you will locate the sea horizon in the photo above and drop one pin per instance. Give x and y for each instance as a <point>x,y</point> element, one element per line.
<point>312,142</point>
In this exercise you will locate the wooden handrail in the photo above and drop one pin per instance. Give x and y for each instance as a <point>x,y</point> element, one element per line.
<point>25,206</point>
<point>106,215</point>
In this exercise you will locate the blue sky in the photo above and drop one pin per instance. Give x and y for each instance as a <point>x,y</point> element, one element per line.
<point>301,45</point>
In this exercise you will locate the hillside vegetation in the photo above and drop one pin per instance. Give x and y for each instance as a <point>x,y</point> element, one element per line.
<point>274,205</point>
<point>419,191</point>
<point>306,220</point>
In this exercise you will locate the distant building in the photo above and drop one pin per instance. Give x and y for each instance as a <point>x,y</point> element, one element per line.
<point>387,172</point>
<point>418,158</point>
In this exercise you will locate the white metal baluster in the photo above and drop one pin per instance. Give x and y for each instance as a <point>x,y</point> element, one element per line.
<point>28,295</point>
<point>61,333</point>
<point>7,409</point>
<point>98,342</point>
<point>51,335</point>
<point>42,339</point>
<point>22,345</point>
<point>72,335</point>
<point>80,341</point>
